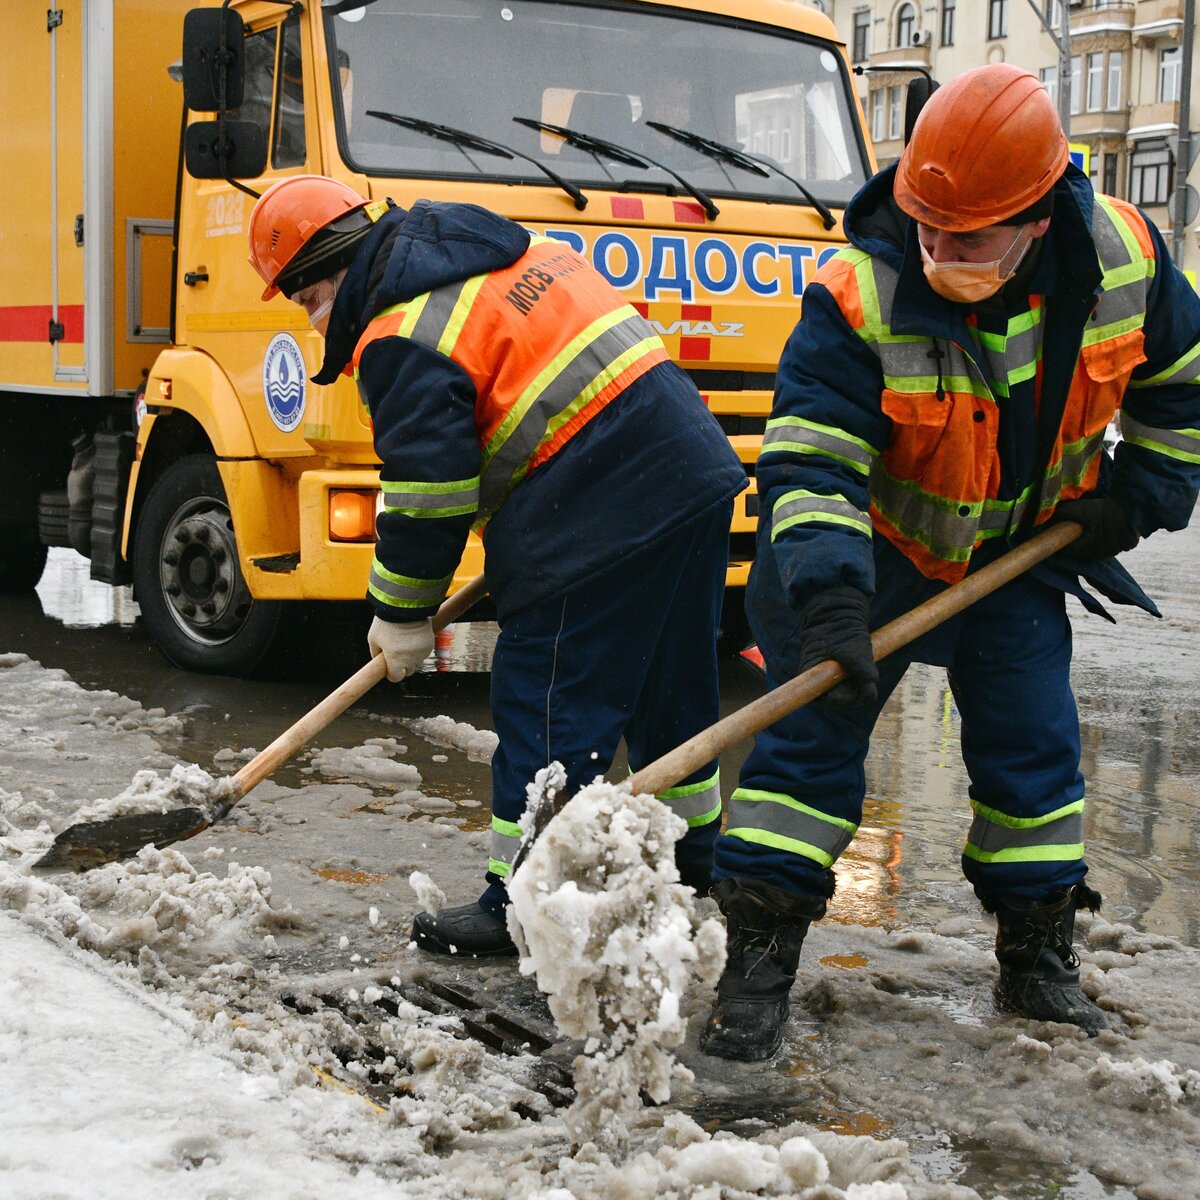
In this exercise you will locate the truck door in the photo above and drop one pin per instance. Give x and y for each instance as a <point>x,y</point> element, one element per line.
<point>219,308</point>
<point>63,63</point>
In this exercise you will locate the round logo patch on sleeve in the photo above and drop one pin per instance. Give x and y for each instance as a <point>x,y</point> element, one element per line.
<point>284,380</point>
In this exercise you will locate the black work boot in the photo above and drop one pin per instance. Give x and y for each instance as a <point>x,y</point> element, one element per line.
<point>765,928</point>
<point>1039,969</point>
<point>469,931</point>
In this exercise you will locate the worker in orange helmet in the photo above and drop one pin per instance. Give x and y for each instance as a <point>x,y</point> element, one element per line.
<point>946,392</point>
<point>512,389</point>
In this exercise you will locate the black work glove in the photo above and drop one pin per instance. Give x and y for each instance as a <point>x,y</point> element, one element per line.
<point>1107,530</point>
<point>833,624</point>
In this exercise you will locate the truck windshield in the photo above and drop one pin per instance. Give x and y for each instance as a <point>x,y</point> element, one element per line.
<point>604,71</point>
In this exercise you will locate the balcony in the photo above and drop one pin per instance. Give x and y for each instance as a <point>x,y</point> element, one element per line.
<point>1119,16</point>
<point>1158,21</point>
<point>906,56</point>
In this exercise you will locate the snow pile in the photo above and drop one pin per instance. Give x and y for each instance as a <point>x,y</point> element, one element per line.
<point>373,761</point>
<point>1146,1086</point>
<point>476,744</point>
<point>158,900</point>
<point>615,942</point>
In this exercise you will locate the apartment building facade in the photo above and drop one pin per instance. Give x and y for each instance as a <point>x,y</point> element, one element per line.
<point>1126,81</point>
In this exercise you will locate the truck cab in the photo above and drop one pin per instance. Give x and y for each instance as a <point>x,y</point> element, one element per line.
<point>698,154</point>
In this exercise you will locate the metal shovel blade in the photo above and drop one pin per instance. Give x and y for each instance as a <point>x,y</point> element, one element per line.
<point>94,843</point>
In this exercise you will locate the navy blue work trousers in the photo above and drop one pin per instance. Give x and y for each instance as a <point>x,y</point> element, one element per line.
<point>1008,658</point>
<point>630,653</point>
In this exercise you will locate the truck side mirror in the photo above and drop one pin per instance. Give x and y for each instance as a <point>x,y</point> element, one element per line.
<point>213,50</point>
<point>920,88</point>
<point>225,149</point>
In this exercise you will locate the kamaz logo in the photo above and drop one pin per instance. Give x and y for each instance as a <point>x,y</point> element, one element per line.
<point>699,328</point>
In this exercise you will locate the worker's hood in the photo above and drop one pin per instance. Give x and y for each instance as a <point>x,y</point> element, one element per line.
<point>411,252</point>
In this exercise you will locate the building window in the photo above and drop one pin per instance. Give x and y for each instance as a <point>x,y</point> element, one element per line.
<point>1076,83</point>
<point>997,18</point>
<point>862,36</point>
<point>1108,183</point>
<point>1116,67</point>
<point>1054,14</point>
<point>1095,81</point>
<point>1049,77</point>
<point>895,109</point>
<point>1151,172</point>
<point>877,115</point>
<point>1168,74</point>
<point>905,23</point>
<point>948,22</point>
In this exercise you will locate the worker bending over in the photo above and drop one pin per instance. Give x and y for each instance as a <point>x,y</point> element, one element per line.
<point>513,390</point>
<point>946,391</point>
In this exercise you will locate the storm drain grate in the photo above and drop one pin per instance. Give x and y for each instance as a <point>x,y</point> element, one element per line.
<point>524,1037</point>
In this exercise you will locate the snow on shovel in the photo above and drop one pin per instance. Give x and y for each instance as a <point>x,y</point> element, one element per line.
<point>89,844</point>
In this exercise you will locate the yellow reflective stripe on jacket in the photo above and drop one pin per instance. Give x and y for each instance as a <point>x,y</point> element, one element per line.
<point>1181,444</point>
<point>799,507</point>
<point>404,591</point>
<point>995,837</point>
<point>794,435</point>
<point>570,381</point>
<point>1185,369</point>
<point>413,498</point>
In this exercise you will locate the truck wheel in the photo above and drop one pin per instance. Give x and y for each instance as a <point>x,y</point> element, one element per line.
<point>22,558</point>
<point>187,580</point>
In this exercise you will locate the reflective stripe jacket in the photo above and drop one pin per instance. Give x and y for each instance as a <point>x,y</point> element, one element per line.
<point>482,356</point>
<point>899,414</point>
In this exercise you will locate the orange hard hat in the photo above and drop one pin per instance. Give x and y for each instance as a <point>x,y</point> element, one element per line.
<point>289,214</point>
<point>986,146</point>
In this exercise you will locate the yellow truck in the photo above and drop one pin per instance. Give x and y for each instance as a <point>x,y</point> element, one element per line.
<point>160,418</point>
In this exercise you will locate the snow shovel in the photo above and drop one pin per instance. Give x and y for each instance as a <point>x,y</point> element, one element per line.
<point>691,755</point>
<point>91,844</point>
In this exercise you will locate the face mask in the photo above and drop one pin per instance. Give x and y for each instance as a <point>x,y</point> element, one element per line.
<point>968,282</point>
<point>319,317</point>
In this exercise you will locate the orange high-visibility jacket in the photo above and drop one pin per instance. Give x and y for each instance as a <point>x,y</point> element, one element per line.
<point>894,430</point>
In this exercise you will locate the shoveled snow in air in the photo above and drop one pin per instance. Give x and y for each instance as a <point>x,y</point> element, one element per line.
<point>235,1016</point>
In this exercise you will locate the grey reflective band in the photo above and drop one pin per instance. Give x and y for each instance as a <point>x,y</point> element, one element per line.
<point>402,591</point>
<point>793,435</point>
<point>423,500</point>
<point>1174,443</point>
<point>697,803</point>
<point>801,507</point>
<point>784,823</point>
<point>997,838</point>
<point>436,314</point>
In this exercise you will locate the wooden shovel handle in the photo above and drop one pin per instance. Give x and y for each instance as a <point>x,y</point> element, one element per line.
<point>691,755</point>
<point>267,761</point>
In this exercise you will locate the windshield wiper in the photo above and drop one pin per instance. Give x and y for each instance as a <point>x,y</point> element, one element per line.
<point>472,141</point>
<point>631,158</point>
<point>746,162</point>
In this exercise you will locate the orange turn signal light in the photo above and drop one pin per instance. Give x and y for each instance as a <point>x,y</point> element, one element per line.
<point>352,516</point>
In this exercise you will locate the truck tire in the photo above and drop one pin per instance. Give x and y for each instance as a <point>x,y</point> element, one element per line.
<point>22,559</point>
<point>187,580</point>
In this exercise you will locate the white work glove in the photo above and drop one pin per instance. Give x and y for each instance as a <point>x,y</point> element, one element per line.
<point>405,645</point>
